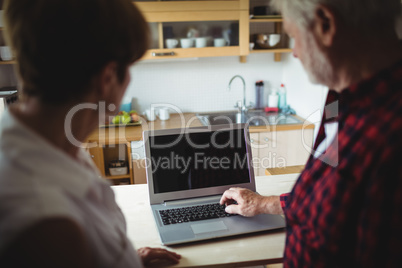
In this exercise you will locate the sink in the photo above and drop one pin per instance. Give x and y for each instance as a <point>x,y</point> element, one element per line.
<point>252,117</point>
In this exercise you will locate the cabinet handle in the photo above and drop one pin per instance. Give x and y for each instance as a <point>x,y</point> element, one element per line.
<point>252,141</point>
<point>154,54</point>
<point>266,139</point>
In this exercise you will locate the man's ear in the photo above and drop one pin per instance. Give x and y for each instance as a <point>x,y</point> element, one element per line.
<point>324,25</point>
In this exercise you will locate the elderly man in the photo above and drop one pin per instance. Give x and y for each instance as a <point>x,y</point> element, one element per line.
<point>345,210</point>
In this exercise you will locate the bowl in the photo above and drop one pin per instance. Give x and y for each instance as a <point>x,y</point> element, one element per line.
<point>118,167</point>
<point>118,171</point>
<point>267,40</point>
<point>117,163</point>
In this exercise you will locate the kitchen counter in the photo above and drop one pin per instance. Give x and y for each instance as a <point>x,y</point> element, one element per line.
<point>119,135</point>
<point>110,143</point>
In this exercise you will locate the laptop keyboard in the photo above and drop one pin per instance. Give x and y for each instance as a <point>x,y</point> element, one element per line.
<point>193,213</point>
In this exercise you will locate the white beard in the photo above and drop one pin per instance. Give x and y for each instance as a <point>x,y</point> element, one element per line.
<point>315,63</point>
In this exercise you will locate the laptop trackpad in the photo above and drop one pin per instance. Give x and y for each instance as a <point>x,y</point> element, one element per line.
<point>208,227</point>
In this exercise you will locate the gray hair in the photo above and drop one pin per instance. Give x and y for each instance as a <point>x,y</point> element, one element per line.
<point>360,14</point>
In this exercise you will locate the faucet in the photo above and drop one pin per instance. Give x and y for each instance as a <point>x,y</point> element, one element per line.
<point>243,106</point>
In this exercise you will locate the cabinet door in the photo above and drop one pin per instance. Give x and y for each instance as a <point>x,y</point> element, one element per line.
<point>139,171</point>
<point>96,154</point>
<point>138,162</point>
<point>267,152</point>
<point>285,148</point>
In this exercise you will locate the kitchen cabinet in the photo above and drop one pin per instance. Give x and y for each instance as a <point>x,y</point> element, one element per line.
<point>270,23</point>
<point>176,19</point>
<point>273,149</point>
<point>125,143</point>
<point>275,26</point>
<point>102,155</point>
<point>229,15</point>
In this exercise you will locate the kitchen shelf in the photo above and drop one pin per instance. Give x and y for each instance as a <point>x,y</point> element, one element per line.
<point>277,52</point>
<point>125,176</point>
<point>266,20</point>
<point>274,50</point>
<point>194,52</point>
<point>161,14</point>
<point>102,155</point>
<point>8,62</point>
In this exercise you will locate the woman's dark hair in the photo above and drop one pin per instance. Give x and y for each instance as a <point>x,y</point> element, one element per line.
<point>60,45</point>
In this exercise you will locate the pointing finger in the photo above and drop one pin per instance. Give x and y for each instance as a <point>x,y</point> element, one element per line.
<point>228,195</point>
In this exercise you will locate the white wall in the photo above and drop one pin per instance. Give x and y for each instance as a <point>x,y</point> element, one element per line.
<point>201,85</point>
<point>307,99</point>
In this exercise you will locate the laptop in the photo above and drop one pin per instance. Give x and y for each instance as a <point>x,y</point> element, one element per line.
<point>188,170</point>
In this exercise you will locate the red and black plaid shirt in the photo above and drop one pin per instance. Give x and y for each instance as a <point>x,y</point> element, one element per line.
<point>345,209</point>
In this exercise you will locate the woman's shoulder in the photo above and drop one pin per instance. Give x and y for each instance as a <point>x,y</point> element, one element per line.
<point>24,201</point>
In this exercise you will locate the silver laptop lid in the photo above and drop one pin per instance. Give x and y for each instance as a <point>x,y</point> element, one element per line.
<point>197,162</point>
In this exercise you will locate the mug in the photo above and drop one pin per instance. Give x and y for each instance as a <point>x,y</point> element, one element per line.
<point>274,39</point>
<point>163,113</point>
<point>220,42</point>
<point>201,42</point>
<point>171,43</point>
<point>187,42</point>
<point>150,114</point>
<point>5,53</point>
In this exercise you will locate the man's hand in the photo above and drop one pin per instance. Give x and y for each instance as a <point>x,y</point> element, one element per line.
<point>157,256</point>
<point>249,203</point>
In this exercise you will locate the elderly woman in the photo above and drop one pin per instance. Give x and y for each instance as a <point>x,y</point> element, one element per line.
<point>55,211</point>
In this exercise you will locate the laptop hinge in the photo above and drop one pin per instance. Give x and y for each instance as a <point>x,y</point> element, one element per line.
<point>192,201</point>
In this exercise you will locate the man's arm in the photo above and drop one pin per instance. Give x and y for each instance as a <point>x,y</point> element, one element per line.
<point>250,203</point>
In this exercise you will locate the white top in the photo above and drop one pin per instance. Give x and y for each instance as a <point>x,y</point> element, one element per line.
<point>39,181</point>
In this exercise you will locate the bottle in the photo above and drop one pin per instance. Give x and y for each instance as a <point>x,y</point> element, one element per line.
<point>126,104</point>
<point>282,97</point>
<point>273,98</point>
<point>259,94</point>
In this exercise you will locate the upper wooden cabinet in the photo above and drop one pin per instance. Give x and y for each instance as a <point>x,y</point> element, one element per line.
<point>230,19</point>
<point>204,19</point>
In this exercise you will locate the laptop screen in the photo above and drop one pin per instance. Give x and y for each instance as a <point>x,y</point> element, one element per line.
<point>198,160</point>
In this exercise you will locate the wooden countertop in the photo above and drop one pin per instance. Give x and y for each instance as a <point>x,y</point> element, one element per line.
<point>284,170</point>
<point>118,135</point>
<point>110,135</point>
